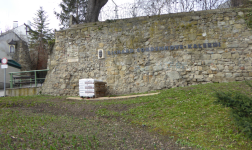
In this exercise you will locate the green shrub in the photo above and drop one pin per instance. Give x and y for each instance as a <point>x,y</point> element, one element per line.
<point>241,109</point>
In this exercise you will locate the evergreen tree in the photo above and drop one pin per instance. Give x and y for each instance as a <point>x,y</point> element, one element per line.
<point>241,108</point>
<point>40,36</point>
<point>82,11</point>
<point>77,8</point>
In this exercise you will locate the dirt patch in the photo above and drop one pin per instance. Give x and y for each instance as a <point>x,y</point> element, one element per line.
<point>110,132</point>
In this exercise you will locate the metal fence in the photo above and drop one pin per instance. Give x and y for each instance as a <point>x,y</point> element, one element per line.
<point>111,11</point>
<point>24,78</point>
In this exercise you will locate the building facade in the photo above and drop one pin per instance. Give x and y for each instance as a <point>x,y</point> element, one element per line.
<point>14,47</point>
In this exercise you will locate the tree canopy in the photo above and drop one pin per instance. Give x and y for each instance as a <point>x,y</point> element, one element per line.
<point>82,11</point>
<point>40,37</point>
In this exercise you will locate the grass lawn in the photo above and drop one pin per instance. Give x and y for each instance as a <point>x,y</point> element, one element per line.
<point>178,118</point>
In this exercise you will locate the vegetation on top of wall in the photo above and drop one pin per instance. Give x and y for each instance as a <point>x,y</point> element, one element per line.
<point>248,17</point>
<point>110,21</point>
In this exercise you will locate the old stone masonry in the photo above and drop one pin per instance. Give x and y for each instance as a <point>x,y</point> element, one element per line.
<point>149,53</point>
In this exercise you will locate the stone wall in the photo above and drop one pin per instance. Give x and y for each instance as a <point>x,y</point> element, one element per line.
<point>22,55</point>
<point>150,53</point>
<point>23,91</point>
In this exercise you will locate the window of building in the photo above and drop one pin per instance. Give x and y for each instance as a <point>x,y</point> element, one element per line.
<point>12,49</point>
<point>12,46</point>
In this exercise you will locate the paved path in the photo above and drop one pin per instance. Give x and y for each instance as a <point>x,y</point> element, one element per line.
<point>111,98</point>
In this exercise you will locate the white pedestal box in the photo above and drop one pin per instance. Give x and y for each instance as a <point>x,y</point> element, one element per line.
<point>92,88</point>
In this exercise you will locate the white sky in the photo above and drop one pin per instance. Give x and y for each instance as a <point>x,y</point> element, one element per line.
<point>24,10</point>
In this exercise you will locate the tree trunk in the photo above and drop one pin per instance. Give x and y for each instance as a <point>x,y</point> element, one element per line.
<point>93,9</point>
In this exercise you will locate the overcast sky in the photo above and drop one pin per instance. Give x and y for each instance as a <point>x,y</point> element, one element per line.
<point>24,10</point>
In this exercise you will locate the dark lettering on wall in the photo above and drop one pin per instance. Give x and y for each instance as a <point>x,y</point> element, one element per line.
<point>172,47</point>
<point>204,45</point>
<point>209,45</point>
<point>215,45</point>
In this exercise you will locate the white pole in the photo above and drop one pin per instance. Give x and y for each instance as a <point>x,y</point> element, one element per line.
<point>4,80</point>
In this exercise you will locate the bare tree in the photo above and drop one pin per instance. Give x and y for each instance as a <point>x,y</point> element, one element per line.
<point>184,5</point>
<point>209,4</point>
<point>157,7</point>
<point>7,28</point>
<point>154,7</point>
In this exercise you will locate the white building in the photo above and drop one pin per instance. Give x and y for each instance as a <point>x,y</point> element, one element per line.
<point>14,47</point>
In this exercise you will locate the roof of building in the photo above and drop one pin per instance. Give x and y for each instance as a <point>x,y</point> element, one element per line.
<point>16,32</point>
<point>12,42</point>
<point>13,63</point>
<point>11,31</point>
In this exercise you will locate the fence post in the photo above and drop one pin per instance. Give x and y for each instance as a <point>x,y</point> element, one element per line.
<point>20,80</point>
<point>11,81</point>
<point>30,82</point>
<point>35,78</point>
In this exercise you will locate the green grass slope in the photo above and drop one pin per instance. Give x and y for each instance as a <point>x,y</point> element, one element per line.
<point>187,115</point>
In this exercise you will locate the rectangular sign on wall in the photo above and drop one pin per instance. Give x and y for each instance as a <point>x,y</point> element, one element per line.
<point>72,54</point>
